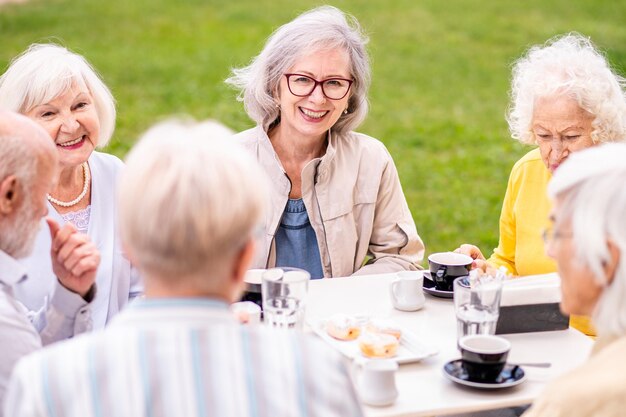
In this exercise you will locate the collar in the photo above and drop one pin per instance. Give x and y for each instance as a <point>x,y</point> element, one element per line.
<point>159,312</point>
<point>11,271</point>
<point>186,302</point>
<point>266,145</point>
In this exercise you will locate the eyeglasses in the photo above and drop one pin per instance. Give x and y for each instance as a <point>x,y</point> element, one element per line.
<point>550,235</point>
<point>333,88</point>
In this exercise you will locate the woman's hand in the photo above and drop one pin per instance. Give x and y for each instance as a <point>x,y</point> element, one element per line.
<point>473,251</point>
<point>75,258</point>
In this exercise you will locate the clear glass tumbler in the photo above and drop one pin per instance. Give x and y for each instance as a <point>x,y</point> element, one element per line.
<point>477,304</point>
<point>284,292</point>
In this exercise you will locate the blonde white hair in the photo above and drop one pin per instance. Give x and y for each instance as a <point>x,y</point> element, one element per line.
<point>568,65</point>
<point>322,28</point>
<point>589,190</point>
<point>46,71</point>
<point>189,199</point>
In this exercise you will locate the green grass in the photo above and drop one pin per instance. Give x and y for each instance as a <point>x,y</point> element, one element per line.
<point>440,79</point>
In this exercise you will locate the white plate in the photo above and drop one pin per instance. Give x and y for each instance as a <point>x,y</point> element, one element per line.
<point>409,350</point>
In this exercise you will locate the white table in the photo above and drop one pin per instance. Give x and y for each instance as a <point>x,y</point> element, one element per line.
<point>423,390</point>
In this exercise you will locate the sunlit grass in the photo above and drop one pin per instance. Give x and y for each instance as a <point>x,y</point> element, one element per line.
<point>440,79</point>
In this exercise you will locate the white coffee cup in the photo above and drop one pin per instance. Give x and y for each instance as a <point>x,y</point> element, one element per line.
<point>406,291</point>
<point>376,381</point>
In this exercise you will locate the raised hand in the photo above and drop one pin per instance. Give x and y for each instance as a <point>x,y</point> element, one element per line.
<point>75,258</point>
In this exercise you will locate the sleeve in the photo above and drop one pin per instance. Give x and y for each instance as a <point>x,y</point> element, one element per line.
<point>63,316</point>
<point>23,398</point>
<point>394,243</point>
<point>504,254</point>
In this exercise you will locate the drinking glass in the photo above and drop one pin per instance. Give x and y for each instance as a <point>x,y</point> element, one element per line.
<point>284,293</point>
<point>477,304</point>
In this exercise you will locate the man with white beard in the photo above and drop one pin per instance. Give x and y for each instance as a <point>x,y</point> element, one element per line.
<point>27,171</point>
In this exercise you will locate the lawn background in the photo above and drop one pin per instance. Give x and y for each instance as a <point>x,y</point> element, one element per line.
<point>440,79</point>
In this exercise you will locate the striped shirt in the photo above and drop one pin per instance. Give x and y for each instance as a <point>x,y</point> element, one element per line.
<point>183,357</point>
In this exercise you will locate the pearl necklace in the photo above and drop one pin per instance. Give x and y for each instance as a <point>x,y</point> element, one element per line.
<point>86,179</point>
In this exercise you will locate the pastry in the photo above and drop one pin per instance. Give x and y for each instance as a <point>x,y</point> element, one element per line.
<point>378,345</point>
<point>343,327</point>
<point>384,326</point>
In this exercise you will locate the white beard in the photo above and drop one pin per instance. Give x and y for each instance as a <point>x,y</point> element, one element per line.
<point>18,237</point>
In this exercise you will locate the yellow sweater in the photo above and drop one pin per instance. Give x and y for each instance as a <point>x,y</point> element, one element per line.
<point>524,215</point>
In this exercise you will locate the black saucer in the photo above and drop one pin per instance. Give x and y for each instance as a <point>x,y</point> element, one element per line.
<point>429,288</point>
<point>510,376</point>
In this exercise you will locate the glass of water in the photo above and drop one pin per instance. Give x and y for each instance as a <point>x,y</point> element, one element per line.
<point>284,293</point>
<point>477,304</point>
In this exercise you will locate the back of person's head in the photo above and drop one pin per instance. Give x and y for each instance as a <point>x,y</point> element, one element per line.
<point>44,72</point>
<point>568,65</point>
<point>190,199</point>
<point>590,192</point>
<point>26,152</point>
<point>322,28</point>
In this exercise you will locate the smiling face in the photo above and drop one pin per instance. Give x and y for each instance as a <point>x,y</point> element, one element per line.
<point>312,116</point>
<point>560,127</point>
<point>72,122</point>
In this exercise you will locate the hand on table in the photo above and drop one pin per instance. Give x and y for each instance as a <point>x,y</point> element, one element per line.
<point>75,258</point>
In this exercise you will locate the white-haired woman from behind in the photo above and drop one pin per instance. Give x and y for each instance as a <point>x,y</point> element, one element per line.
<point>564,98</point>
<point>588,242</point>
<point>60,91</point>
<point>337,203</point>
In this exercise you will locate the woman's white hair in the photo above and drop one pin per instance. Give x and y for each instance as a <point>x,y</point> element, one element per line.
<point>44,72</point>
<point>189,199</point>
<point>589,189</point>
<point>318,29</point>
<point>568,65</point>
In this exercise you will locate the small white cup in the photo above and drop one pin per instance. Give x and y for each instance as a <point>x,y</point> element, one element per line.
<point>376,381</point>
<point>406,291</point>
<point>246,312</point>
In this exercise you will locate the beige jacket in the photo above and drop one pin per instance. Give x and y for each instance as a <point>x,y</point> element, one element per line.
<point>354,201</point>
<point>597,388</point>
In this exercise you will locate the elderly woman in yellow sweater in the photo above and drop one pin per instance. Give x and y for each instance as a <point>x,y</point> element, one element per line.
<point>565,98</point>
<point>588,243</point>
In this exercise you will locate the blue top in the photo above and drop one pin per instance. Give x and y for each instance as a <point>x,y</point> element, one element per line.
<point>296,243</point>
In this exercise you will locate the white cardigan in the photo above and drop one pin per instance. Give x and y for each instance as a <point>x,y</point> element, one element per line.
<point>117,282</point>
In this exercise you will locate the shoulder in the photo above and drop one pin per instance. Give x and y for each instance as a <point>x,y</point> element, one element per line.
<point>362,146</point>
<point>105,163</point>
<point>594,387</point>
<point>530,170</point>
<point>529,162</point>
<point>249,137</point>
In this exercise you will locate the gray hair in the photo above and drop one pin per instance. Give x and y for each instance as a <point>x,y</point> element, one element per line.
<point>189,199</point>
<point>589,188</point>
<point>46,71</point>
<point>568,65</point>
<point>23,146</point>
<point>321,28</point>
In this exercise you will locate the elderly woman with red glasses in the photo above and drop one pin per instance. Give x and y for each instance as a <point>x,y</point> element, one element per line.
<point>337,206</point>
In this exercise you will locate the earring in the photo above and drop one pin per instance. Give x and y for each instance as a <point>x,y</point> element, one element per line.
<point>345,111</point>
